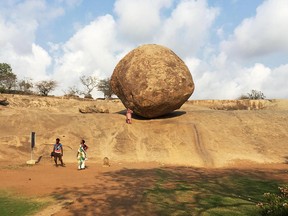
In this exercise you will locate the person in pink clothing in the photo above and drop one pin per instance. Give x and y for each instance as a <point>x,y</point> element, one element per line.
<point>129,116</point>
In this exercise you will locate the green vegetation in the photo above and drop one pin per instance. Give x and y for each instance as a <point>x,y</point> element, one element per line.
<point>275,204</point>
<point>7,77</point>
<point>105,87</point>
<point>9,84</point>
<point>253,95</point>
<point>46,86</point>
<point>11,205</point>
<point>237,194</point>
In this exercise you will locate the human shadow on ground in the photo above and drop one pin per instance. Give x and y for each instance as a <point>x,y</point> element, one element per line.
<point>173,114</point>
<point>39,159</point>
<point>169,191</point>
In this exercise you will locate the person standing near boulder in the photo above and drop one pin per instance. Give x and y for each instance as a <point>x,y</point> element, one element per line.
<point>58,152</point>
<point>129,116</point>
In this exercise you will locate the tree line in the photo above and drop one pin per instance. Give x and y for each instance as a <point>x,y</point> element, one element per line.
<point>10,84</point>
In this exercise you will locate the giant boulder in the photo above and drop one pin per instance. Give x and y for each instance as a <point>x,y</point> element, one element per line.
<point>152,81</point>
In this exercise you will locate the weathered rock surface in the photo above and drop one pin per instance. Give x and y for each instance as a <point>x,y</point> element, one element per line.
<point>152,81</point>
<point>94,109</point>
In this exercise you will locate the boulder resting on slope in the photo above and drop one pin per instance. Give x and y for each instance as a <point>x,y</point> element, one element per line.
<point>152,81</point>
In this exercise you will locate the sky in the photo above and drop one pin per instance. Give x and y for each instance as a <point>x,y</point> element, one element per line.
<point>230,46</point>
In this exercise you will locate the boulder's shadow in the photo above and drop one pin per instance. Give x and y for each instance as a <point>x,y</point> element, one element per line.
<point>166,116</point>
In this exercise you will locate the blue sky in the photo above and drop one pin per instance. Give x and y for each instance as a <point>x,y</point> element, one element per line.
<point>230,46</point>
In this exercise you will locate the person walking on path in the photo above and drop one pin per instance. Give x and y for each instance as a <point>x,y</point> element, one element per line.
<point>129,116</point>
<point>58,152</point>
<point>81,155</point>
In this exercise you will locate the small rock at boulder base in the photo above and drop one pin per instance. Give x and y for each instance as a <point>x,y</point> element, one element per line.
<point>152,81</point>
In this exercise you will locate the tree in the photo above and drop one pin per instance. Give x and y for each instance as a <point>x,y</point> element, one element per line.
<point>25,85</point>
<point>72,92</point>
<point>90,83</point>
<point>105,87</point>
<point>7,77</point>
<point>46,86</point>
<point>256,95</point>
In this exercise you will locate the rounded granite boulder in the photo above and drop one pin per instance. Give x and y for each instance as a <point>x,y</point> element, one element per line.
<point>152,81</point>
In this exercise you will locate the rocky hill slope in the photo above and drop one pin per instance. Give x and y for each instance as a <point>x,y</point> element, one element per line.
<point>208,133</point>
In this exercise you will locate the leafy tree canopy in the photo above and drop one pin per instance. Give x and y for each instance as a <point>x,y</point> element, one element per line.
<point>7,77</point>
<point>46,86</point>
<point>105,87</point>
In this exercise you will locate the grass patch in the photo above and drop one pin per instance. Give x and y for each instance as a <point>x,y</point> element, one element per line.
<point>235,194</point>
<point>19,206</point>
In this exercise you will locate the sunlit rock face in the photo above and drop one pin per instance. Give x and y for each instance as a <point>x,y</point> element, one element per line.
<point>152,81</point>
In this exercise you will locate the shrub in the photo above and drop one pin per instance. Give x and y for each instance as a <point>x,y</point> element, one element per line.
<point>256,95</point>
<point>243,97</point>
<point>275,204</point>
<point>88,96</point>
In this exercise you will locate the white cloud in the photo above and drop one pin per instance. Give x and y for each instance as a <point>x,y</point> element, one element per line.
<point>186,30</point>
<point>263,34</point>
<point>96,48</point>
<point>138,20</point>
<point>232,80</point>
<point>275,85</point>
<point>29,65</point>
<point>184,26</point>
<point>20,21</point>
<point>93,50</point>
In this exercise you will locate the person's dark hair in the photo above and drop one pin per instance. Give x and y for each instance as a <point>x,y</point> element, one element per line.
<point>58,139</point>
<point>83,141</point>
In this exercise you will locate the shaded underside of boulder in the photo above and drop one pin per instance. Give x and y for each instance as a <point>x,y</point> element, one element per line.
<point>152,81</point>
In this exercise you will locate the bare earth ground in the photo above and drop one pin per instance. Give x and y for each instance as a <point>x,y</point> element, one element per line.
<point>200,140</point>
<point>114,190</point>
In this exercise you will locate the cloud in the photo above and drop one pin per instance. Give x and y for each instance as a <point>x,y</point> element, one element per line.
<point>184,28</point>
<point>261,35</point>
<point>183,25</point>
<point>220,78</point>
<point>93,50</point>
<point>275,85</point>
<point>138,20</point>
<point>188,27</point>
<point>20,21</point>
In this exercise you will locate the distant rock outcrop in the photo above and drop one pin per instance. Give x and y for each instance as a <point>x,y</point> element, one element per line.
<point>152,81</point>
<point>94,109</point>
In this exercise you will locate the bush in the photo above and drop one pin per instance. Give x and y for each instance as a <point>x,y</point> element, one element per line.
<point>88,96</point>
<point>275,204</point>
<point>243,97</point>
<point>256,95</point>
